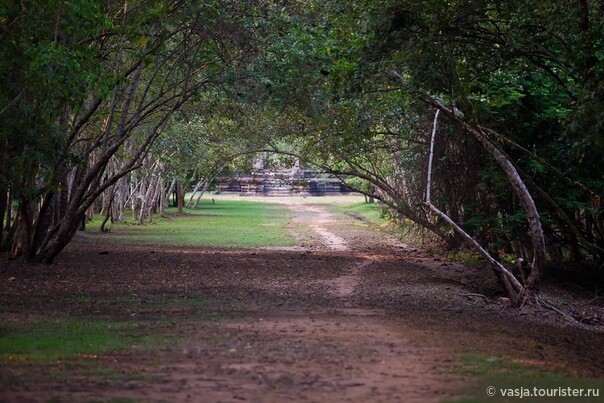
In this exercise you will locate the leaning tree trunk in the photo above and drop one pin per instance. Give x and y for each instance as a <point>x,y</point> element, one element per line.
<point>195,189</point>
<point>511,285</point>
<point>148,199</point>
<point>155,197</point>
<point>532,276</point>
<point>166,195</point>
<point>204,189</point>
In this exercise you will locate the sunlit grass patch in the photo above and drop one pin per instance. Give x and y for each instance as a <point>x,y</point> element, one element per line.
<point>503,376</point>
<point>59,346</point>
<point>225,223</point>
<point>43,340</point>
<point>481,365</point>
<point>369,212</point>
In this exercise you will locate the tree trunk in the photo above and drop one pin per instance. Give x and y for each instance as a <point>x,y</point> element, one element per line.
<point>4,190</point>
<point>134,189</point>
<point>155,198</point>
<point>22,240</point>
<point>148,200</point>
<point>205,187</point>
<point>180,195</point>
<point>120,201</point>
<point>42,222</point>
<point>109,207</point>
<point>511,285</point>
<point>4,206</point>
<point>532,284</point>
<point>197,186</point>
<point>169,192</point>
<point>9,209</point>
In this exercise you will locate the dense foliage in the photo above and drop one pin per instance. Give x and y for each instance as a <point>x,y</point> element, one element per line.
<point>89,88</point>
<point>120,99</point>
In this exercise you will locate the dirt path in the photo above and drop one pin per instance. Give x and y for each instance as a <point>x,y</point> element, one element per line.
<point>317,353</point>
<point>290,355</point>
<point>319,220</point>
<point>349,314</point>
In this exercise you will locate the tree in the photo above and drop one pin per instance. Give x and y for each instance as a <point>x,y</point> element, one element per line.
<point>523,72</point>
<point>141,63</point>
<point>514,73</point>
<point>351,88</point>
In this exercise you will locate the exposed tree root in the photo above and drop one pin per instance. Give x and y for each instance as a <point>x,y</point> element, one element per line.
<point>536,300</point>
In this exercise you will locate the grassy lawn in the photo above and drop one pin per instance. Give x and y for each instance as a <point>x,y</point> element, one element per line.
<point>225,223</point>
<point>42,340</point>
<point>499,376</point>
<point>59,347</point>
<point>109,323</point>
<point>370,212</point>
<point>131,322</point>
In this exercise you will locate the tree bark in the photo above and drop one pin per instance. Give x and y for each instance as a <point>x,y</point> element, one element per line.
<point>204,189</point>
<point>180,195</point>
<point>511,285</point>
<point>4,205</point>
<point>109,208</point>
<point>22,240</point>
<point>532,284</point>
<point>197,186</point>
<point>166,195</point>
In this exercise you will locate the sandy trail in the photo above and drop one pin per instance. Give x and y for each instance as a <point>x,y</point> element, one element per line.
<point>318,219</point>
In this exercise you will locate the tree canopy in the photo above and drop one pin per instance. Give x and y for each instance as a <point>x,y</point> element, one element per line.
<point>102,96</point>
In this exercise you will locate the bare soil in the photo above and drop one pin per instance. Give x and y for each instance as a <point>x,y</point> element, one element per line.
<point>349,314</point>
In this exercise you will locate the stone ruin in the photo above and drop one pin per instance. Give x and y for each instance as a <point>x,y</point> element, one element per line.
<point>266,179</point>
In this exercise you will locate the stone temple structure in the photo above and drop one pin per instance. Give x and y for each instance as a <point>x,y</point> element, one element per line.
<point>266,179</point>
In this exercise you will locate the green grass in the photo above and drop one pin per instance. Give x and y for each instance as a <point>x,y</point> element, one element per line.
<point>48,340</point>
<point>482,372</point>
<point>370,212</point>
<point>134,323</point>
<point>56,348</point>
<point>225,223</point>
<point>481,365</point>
